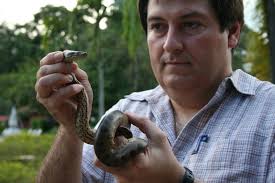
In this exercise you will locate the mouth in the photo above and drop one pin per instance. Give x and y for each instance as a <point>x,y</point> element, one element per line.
<point>177,63</point>
<point>180,59</point>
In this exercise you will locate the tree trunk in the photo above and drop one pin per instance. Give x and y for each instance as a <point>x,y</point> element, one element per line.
<point>101,108</point>
<point>136,73</point>
<point>271,34</point>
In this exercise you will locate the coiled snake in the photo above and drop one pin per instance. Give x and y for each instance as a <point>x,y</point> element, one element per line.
<point>113,125</point>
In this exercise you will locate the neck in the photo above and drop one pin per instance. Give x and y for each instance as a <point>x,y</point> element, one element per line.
<point>185,107</point>
<point>192,100</point>
<point>187,102</point>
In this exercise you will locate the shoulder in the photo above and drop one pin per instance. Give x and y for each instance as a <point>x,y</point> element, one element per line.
<point>247,84</point>
<point>146,95</point>
<point>264,88</point>
<point>139,102</point>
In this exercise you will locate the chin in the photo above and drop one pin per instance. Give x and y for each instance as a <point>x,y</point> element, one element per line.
<point>179,83</point>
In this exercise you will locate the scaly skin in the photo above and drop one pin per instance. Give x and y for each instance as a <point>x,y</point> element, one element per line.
<point>112,125</point>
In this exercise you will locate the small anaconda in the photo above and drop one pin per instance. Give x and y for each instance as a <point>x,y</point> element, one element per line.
<point>112,125</point>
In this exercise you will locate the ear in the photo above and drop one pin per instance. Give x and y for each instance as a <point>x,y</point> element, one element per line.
<point>234,35</point>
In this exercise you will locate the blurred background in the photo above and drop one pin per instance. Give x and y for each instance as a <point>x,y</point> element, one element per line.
<point>117,64</point>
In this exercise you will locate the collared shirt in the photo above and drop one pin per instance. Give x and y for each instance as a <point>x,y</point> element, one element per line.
<point>231,139</point>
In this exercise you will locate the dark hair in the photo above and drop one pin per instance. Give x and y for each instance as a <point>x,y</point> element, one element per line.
<point>227,12</point>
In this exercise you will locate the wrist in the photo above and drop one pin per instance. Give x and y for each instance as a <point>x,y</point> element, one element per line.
<point>70,134</point>
<point>187,176</point>
<point>176,176</point>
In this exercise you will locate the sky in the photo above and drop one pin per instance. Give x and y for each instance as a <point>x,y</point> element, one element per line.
<point>22,11</point>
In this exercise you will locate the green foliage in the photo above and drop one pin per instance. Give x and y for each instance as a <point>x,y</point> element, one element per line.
<point>55,21</point>
<point>258,56</point>
<point>11,172</point>
<point>44,125</point>
<point>20,50</point>
<point>56,28</point>
<point>24,144</point>
<point>240,51</point>
<point>257,44</point>
<point>15,166</point>
<point>17,46</point>
<point>2,126</point>
<point>132,31</point>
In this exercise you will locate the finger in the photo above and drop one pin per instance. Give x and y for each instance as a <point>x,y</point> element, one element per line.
<point>60,103</point>
<point>152,132</point>
<point>112,170</point>
<point>67,92</point>
<point>45,85</point>
<point>52,58</point>
<point>63,94</point>
<point>64,68</point>
<point>80,74</point>
<point>127,171</point>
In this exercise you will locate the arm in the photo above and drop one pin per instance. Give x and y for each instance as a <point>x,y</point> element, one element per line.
<point>54,91</point>
<point>62,163</point>
<point>157,164</point>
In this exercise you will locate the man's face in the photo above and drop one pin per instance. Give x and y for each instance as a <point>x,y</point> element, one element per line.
<point>186,47</point>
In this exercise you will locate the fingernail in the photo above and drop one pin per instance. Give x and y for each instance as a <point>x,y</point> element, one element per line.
<point>70,78</point>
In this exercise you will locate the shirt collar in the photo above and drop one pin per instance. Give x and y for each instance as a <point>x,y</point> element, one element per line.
<point>243,82</point>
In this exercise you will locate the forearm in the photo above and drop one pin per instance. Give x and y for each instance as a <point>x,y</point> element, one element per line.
<point>63,161</point>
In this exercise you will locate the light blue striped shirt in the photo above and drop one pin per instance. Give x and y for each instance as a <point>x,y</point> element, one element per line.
<point>231,139</point>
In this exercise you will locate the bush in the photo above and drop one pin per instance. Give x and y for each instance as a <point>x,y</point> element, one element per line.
<point>16,172</point>
<point>45,124</point>
<point>2,126</point>
<point>14,168</point>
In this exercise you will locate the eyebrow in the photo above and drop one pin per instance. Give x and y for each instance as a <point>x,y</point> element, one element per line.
<point>185,16</point>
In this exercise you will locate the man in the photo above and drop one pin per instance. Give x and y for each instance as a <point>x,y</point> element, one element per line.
<point>202,117</point>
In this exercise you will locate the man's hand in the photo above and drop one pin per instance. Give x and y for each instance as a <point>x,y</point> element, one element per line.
<point>54,90</point>
<point>158,164</point>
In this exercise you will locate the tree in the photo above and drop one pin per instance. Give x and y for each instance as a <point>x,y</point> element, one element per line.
<point>96,11</point>
<point>271,33</point>
<point>241,51</point>
<point>258,54</point>
<point>55,22</point>
<point>20,50</point>
<point>134,36</point>
<point>56,28</point>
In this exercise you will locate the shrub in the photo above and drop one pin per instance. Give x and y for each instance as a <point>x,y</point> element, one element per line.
<point>16,172</point>
<point>2,126</point>
<point>14,168</point>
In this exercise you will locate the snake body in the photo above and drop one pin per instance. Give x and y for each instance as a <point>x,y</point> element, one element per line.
<point>113,125</point>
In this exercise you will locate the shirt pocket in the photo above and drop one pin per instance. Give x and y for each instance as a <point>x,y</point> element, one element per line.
<point>237,155</point>
<point>241,158</point>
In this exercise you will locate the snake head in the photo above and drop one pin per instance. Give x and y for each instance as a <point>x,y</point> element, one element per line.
<point>70,55</point>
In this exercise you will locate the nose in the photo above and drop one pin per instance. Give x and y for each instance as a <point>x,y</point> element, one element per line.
<point>172,41</point>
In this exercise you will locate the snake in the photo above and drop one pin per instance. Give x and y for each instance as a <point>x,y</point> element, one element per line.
<point>113,125</point>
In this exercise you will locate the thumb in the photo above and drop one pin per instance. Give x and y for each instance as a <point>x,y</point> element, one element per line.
<point>153,133</point>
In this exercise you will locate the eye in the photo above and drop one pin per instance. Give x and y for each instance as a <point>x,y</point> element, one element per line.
<point>192,27</point>
<point>157,27</point>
